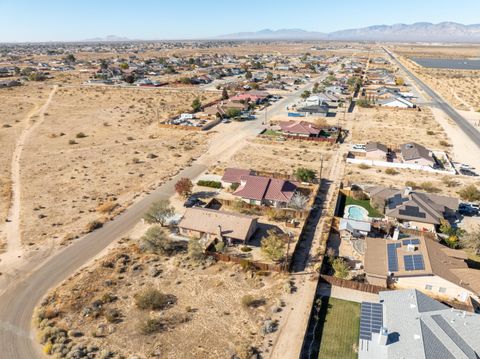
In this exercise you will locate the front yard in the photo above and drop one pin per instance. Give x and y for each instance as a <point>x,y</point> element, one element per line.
<point>338,328</point>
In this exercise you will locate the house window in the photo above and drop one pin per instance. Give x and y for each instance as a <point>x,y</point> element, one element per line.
<point>428,287</point>
<point>442,290</point>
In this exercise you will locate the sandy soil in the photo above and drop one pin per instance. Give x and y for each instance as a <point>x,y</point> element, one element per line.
<point>67,177</point>
<point>395,127</point>
<point>282,157</point>
<point>19,105</point>
<point>439,51</point>
<point>207,319</point>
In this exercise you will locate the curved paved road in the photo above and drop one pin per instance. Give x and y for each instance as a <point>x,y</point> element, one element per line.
<point>19,300</point>
<point>463,124</point>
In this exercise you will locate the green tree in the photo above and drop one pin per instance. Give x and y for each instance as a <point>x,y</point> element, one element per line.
<point>269,76</point>
<point>225,94</point>
<point>248,75</point>
<point>124,66</point>
<point>155,240</point>
<point>304,174</point>
<point>273,246</point>
<point>70,58</point>
<point>316,86</point>
<point>159,212</point>
<point>305,94</point>
<point>364,103</point>
<point>104,64</point>
<point>233,112</point>
<point>196,105</point>
<point>340,267</point>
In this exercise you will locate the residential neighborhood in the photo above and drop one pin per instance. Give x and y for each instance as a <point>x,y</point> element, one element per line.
<point>183,193</point>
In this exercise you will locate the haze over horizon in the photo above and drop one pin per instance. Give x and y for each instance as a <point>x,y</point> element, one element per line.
<point>55,20</point>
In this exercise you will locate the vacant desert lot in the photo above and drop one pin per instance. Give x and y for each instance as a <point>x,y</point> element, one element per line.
<point>428,182</point>
<point>206,319</point>
<point>442,51</point>
<point>17,104</point>
<point>393,127</point>
<point>98,147</point>
<point>282,157</point>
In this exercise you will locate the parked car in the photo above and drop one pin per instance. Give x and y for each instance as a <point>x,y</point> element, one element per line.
<point>193,202</point>
<point>466,209</point>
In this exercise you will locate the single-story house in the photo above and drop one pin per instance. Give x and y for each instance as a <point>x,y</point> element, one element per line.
<point>265,191</point>
<point>376,151</point>
<point>317,110</point>
<point>414,153</point>
<point>211,225</point>
<point>423,211</point>
<point>422,264</point>
<point>409,324</point>
<point>234,175</point>
<point>299,128</point>
<point>398,102</point>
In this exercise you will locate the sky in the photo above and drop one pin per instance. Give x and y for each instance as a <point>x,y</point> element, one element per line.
<point>75,20</point>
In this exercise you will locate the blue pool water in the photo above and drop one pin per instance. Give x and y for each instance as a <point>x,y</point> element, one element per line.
<point>357,213</point>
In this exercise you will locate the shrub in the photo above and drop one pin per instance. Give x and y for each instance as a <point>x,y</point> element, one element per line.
<point>220,246</point>
<point>81,135</point>
<point>363,166</point>
<point>340,267</point>
<point>155,240</point>
<point>153,299</point>
<point>273,246</point>
<point>411,184</point>
<point>93,225</point>
<point>107,207</point>
<point>364,103</point>
<point>47,348</point>
<point>112,315</point>
<point>449,182</point>
<point>72,142</point>
<point>359,195</point>
<point>248,301</point>
<point>234,186</point>
<point>429,187</point>
<point>211,184</point>
<point>444,143</point>
<point>195,249</point>
<point>151,326</point>
<point>391,171</point>
<point>245,249</point>
<point>304,174</point>
<point>470,193</point>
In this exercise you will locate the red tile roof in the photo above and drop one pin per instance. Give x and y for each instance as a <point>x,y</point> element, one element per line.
<point>233,175</point>
<point>302,127</point>
<point>260,188</point>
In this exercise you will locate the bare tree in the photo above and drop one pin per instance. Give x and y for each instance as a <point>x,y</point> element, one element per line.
<point>298,201</point>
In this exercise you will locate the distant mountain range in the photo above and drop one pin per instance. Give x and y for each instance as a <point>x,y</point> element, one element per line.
<point>108,38</point>
<point>420,31</point>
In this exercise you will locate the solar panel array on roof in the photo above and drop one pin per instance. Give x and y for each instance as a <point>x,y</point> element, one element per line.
<point>414,262</point>
<point>412,211</point>
<point>392,256</point>
<point>406,242</point>
<point>456,338</point>
<point>371,319</point>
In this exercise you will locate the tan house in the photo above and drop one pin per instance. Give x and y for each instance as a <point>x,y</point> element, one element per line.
<point>376,151</point>
<point>422,264</point>
<point>211,225</point>
<point>417,154</point>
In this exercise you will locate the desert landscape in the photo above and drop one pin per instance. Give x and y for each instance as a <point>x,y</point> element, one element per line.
<point>87,166</point>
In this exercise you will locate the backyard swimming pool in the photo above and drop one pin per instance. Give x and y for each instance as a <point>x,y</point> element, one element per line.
<point>356,212</point>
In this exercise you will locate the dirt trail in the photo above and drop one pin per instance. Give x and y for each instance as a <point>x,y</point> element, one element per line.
<point>288,343</point>
<point>12,227</point>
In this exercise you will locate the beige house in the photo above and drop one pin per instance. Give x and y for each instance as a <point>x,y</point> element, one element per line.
<point>422,264</point>
<point>211,225</point>
<point>417,154</point>
<point>376,151</point>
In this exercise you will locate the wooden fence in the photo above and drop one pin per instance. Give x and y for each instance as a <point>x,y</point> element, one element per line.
<point>350,284</point>
<point>247,262</point>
